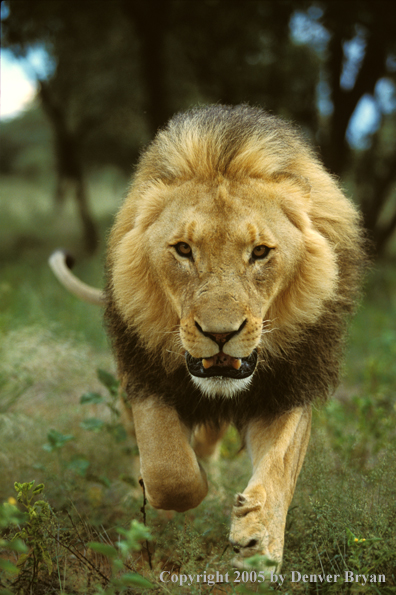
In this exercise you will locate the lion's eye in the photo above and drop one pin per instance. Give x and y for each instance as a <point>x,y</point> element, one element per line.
<point>183,249</point>
<point>260,252</point>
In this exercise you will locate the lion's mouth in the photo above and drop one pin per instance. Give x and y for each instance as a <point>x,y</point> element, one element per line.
<point>222,364</point>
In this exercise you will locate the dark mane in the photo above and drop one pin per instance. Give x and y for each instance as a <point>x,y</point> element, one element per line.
<point>307,373</point>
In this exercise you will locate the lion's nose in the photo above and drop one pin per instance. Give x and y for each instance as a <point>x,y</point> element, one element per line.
<point>220,338</point>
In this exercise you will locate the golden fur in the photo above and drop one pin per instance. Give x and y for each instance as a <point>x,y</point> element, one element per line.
<point>223,182</point>
<point>187,182</point>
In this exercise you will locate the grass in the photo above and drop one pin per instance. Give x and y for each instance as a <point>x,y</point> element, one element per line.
<point>343,516</point>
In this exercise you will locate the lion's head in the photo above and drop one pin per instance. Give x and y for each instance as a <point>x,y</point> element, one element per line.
<point>232,242</point>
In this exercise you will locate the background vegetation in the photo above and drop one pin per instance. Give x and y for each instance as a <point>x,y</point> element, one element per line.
<point>115,72</point>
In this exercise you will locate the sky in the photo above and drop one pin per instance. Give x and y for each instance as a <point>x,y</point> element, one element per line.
<point>18,89</point>
<point>18,79</point>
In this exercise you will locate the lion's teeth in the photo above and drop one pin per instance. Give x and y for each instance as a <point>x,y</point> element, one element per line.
<point>236,363</point>
<point>207,363</point>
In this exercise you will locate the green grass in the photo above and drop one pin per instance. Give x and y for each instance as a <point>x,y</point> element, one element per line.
<point>50,348</point>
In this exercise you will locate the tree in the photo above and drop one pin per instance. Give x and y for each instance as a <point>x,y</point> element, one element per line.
<point>122,69</point>
<point>371,26</point>
<point>85,94</point>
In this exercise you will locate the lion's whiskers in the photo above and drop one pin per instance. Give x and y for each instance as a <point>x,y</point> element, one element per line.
<point>175,353</point>
<point>271,330</point>
<point>266,323</point>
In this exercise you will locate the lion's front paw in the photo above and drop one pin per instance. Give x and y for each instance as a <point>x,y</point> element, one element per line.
<point>253,530</point>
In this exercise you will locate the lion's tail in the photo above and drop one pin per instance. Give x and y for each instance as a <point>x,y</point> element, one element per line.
<point>61,263</point>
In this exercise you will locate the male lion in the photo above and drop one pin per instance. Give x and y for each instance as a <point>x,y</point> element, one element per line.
<point>231,268</point>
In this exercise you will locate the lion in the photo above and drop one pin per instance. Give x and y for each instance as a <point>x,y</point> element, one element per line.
<point>232,267</point>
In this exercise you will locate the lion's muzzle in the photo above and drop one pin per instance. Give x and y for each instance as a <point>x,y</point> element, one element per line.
<point>222,364</point>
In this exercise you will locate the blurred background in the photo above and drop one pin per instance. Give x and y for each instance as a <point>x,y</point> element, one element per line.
<point>95,80</point>
<point>84,87</point>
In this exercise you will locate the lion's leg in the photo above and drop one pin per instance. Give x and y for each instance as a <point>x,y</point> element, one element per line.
<point>277,451</point>
<point>172,476</point>
<point>206,440</point>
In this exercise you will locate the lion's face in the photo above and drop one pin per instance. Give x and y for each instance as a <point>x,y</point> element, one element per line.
<point>227,265</point>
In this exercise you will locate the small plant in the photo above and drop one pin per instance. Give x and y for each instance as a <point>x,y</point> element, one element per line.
<point>34,541</point>
<point>77,463</point>
<point>10,515</point>
<point>56,441</point>
<point>363,555</point>
<point>37,532</point>
<point>122,577</point>
<point>95,424</point>
<point>40,540</point>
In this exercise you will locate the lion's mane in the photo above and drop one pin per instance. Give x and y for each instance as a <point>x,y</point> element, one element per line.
<point>303,362</point>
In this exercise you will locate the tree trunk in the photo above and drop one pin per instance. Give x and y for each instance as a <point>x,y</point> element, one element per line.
<point>150,19</point>
<point>69,166</point>
<point>373,66</point>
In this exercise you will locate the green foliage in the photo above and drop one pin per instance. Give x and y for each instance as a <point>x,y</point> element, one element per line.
<point>370,429</point>
<point>38,530</point>
<point>109,381</point>
<point>26,146</point>
<point>130,542</point>
<point>362,556</point>
<point>10,515</point>
<point>94,424</point>
<point>36,545</point>
<point>33,542</point>
<point>56,440</point>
